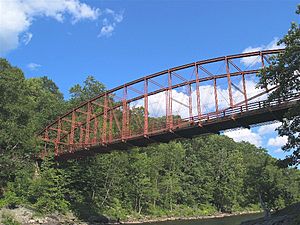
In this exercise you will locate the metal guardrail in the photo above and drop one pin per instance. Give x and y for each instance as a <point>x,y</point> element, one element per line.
<point>247,108</point>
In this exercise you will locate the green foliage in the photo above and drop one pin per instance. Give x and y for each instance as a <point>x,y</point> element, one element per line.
<point>8,219</point>
<point>48,189</point>
<point>15,108</point>
<point>26,106</point>
<point>16,131</point>
<point>11,200</point>
<point>45,191</point>
<point>47,101</point>
<point>116,210</point>
<point>284,72</point>
<point>17,192</point>
<point>191,177</point>
<point>182,178</point>
<point>90,89</point>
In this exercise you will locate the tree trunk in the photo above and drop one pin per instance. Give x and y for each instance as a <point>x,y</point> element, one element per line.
<point>264,207</point>
<point>140,208</point>
<point>37,170</point>
<point>93,195</point>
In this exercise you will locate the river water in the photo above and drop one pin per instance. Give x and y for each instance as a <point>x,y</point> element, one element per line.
<point>231,220</point>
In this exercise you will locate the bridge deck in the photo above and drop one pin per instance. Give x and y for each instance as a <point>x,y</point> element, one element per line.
<point>240,116</point>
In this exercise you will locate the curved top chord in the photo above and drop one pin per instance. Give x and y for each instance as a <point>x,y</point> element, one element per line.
<point>179,102</point>
<point>201,62</point>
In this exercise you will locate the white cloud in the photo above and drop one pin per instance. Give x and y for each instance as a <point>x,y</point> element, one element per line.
<point>16,17</point>
<point>110,24</point>
<point>245,135</point>
<point>33,66</point>
<point>253,60</point>
<point>180,102</point>
<point>277,141</point>
<point>268,128</point>
<point>157,102</point>
<point>27,38</point>
<point>256,138</point>
<point>107,30</point>
<point>118,17</point>
<point>279,150</point>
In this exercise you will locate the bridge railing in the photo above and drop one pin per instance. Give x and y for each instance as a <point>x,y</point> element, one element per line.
<point>253,106</point>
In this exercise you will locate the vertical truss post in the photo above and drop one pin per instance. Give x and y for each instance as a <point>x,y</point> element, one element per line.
<point>190,103</point>
<point>216,95</point>
<point>105,119</point>
<point>198,92</point>
<point>45,141</point>
<point>95,130</point>
<point>71,140</point>
<point>244,90</point>
<point>128,131</point>
<point>44,152</point>
<point>88,123</point>
<point>146,120</point>
<point>58,136</point>
<point>262,60</point>
<point>167,107</point>
<point>263,66</point>
<point>124,117</point>
<point>72,133</point>
<point>229,82</point>
<point>81,135</point>
<point>47,134</point>
<point>169,103</point>
<point>110,125</point>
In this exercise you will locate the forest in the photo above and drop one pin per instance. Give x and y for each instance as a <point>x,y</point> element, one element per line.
<point>200,176</point>
<point>204,175</point>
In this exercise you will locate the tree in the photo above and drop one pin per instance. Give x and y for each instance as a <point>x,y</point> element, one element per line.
<point>16,131</point>
<point>90,89</point>
<point>48,101</point>
<point>284,72</point>
<point>140,182</point>
<point>170,187</point>
<point>26,106</point>
<point>273,186</point>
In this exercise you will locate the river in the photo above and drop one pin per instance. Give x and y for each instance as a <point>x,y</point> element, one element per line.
<point>231,220</point>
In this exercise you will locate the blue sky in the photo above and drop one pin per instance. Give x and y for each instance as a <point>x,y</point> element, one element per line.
<point>119,41</point>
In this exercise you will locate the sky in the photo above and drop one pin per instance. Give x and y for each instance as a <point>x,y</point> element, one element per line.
<point>119,41</point>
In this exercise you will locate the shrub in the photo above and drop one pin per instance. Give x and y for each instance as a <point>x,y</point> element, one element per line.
<point>8,219</point>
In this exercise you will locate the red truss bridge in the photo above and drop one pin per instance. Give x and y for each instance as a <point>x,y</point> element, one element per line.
<point>202,97</point>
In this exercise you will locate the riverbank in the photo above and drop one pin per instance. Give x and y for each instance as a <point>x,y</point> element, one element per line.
<point>23,215</point>
<point>166,219</point>
<point>287,216</point>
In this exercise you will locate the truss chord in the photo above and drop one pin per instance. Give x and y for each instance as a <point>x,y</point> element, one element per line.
<point>265,52</point>
<point>164,89</point>
<point>79,129</point>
